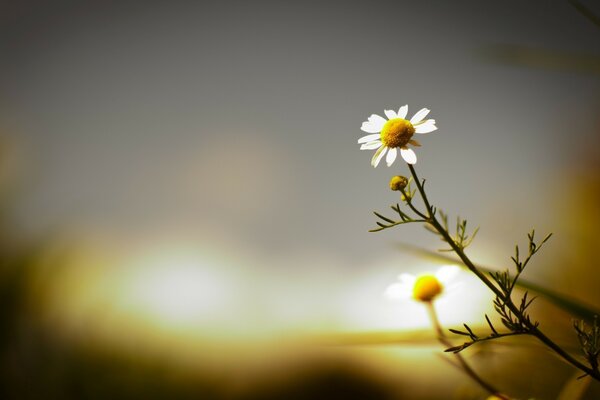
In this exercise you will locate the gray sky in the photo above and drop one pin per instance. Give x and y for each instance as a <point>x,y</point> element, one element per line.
<point>240,119</point>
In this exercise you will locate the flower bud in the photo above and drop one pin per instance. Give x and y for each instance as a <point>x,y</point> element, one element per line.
<point>426,288</point>
<point>398,183</point>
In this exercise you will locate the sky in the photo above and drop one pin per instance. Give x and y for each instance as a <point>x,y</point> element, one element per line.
<point>238,121</point>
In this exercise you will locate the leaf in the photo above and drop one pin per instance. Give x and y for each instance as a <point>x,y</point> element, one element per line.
<point>470,331</point>
<point>458,349</point>
<point>391,221</point>
<point>490,324</point>
<point>457,332</point>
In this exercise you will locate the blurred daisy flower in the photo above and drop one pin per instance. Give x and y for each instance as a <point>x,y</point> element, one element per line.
<point>424,287</point>
<point>393,133</point>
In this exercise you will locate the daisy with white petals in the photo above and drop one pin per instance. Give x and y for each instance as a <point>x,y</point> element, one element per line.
<point>394,133</point>
<point>424,287</point>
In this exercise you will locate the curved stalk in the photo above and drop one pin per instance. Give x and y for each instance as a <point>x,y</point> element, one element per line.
<point>532,329</point>
<point>461,360</point>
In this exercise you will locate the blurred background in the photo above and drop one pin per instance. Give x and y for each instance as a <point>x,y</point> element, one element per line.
<point>185,210</point>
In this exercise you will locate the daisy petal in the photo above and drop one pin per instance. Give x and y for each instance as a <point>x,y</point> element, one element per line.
<point>377,121</point>
<point>446,273</point>
<point>391,156</point>
<point>407,279</point>
<point>424,121</point>
<point>426,127</point>
<point>409,156</point>
<point>369,138</point>
<point>397,291</point>
<point>378,156</point>
<point>374,124</point>
<point>418,117</point>
<point>453,287</point>
<point>369,128</point>
<point>371,145</point>
<point>391,114</point>
<point>402,111</point>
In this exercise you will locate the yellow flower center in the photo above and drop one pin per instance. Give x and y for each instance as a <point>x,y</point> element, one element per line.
<point>397,132</point>
<point>426,288</point>
<point>398,183</point>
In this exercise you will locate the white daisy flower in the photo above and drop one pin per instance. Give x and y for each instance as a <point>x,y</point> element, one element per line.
<point>393,133</point>
<point>424,287</point>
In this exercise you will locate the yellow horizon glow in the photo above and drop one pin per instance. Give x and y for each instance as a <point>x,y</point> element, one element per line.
<point>184,299</point>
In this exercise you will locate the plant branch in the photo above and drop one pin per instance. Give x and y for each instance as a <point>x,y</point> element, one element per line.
<point>461,360</point>
<point>531,327</point>
<point>581,310</point>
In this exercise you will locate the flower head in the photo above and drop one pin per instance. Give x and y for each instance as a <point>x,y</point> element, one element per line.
<point>424,287</point>
<point>427,287</point>
<point>398,183</point>
<point>393,133</point>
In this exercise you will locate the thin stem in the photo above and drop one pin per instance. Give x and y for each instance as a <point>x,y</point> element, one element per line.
<point>500,335</point>
<point>420,187</point>
<point>586,12</point>
<point>463,363</point>
<point>436,224</point>
<point>412,207</point>
<point>532,328</point>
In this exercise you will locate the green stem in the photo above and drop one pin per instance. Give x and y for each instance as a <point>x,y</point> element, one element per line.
<point>568,304</point>
<point>499,335</point>
<point>532,329</point>
<point>463,363</point>
<point>412,207</point>
<point>436,224</point>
